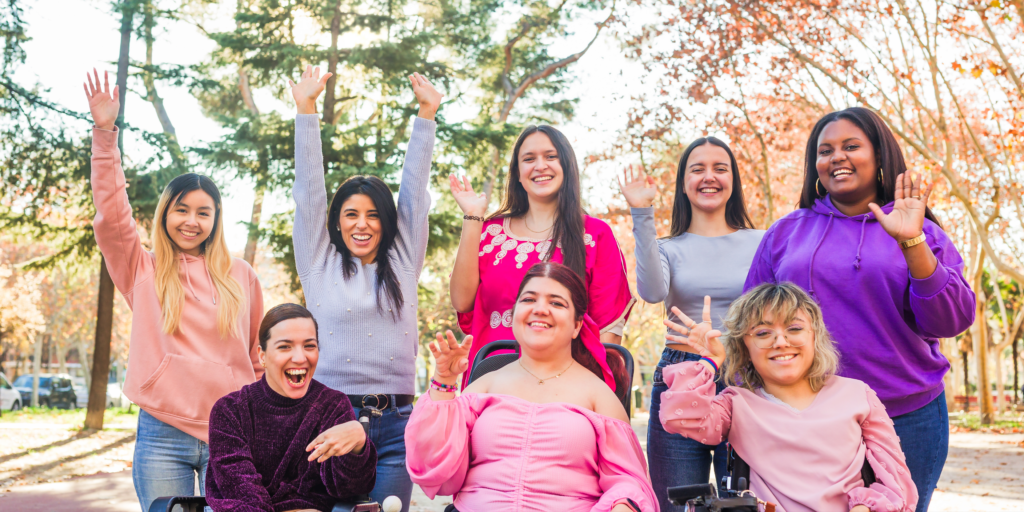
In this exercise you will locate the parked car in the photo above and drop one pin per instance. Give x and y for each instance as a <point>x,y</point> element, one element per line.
<point>10,398</point>
<point>55,390</point>
<point>115,398</point>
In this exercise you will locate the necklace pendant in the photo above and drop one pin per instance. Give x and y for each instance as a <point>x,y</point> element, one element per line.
<point>540,382</point>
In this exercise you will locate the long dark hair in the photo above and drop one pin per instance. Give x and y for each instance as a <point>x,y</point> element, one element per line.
<point>388,290</point>
<point>580,300</point>
<point>280,313</point>
<point>735,208</point>
<point>887,151</point>
<point>569,231</point>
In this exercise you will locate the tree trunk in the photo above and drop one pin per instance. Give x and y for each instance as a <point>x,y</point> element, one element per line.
<point>981,359</point>
<point>967,382</point>
<point>330,112</point>
<point>254,219</point>
<point>1016,383</point>
<point>1000,382</point>
<point>173,147</point>
<point>37,361</point>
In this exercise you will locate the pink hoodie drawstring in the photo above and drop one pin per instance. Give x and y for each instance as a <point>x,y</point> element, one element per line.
<point>209,277</point>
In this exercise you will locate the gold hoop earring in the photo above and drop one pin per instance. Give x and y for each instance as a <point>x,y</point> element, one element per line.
<point>879,174</point>
<point>816,183</point>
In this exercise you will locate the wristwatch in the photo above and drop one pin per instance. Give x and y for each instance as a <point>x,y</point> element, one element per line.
<point>907,244</point>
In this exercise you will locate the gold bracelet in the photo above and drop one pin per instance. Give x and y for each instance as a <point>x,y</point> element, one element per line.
<point>907,244</point>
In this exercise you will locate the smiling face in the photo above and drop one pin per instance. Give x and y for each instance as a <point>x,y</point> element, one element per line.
<point>846,163</point>
<point>708,178</point>
<point>544,317</point>
<point>359,223</point>
<point>291,356</point>
<point>540,171</point>
<point>190,221</point>
<point>782,352</point>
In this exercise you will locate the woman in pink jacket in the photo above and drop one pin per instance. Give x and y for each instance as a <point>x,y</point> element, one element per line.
<point>542,434</point>
<point>804,431</point>
<point>196,310</point>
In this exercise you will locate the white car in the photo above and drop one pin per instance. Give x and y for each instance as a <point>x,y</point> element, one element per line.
<point>10,398</point>
<point>115,398</point>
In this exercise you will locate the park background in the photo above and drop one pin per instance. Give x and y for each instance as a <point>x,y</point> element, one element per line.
<point>629,82</point>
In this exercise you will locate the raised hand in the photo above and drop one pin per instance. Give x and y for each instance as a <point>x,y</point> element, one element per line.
<point>471,203</point>
<point>428,97</point>
<point>637,187</point>
<point>699,336</point>
<point>450,358</point>
<point>337,441</point>
<point>103,105</point>
<point>308,89</point>
<point>906,220</point>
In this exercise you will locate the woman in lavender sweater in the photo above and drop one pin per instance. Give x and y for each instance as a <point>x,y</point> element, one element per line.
<point>359,261</point>
<point>890,282</point>
<point>286,442</point>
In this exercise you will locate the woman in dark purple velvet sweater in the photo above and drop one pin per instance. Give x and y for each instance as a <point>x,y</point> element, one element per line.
<point>287,442</point>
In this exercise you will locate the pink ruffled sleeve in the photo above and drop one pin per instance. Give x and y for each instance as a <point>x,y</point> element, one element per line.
<point>437,443</point>
<point>622,468</point>
<point>690,407</point>
<point>893,489</point>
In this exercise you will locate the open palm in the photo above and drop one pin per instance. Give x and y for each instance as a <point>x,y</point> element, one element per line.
<point>310,85</point>
<point>470,202</point>
<point>451,359</point>
<point>426,95</point>
<point>698,336</point>
<point>906,220</point>
<point>103,104</point>
<point>638,188</point>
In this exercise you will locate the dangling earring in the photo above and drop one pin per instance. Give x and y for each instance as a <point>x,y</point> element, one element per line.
<point>263,363</point>
<point>879,174</point>
<point>816,183</point>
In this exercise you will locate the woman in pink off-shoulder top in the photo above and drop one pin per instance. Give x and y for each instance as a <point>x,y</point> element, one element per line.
<point>542,434</point>
<point>804,431</point>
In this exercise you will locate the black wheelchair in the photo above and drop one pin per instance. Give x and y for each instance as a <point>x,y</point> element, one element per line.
<point>734,495</point>
<point>482,364</point>
<point>197,503</point>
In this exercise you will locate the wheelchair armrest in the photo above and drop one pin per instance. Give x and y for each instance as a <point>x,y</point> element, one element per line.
<point>187,503</point>
<point>357,504</point>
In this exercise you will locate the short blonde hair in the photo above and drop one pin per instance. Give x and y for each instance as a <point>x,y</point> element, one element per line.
<point>782,300</point>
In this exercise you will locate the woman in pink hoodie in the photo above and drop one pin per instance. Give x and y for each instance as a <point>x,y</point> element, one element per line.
<point>196,310</point>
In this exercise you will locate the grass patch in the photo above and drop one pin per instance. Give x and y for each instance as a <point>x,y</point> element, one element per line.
<point>971,422</point>
<point>73,417</point>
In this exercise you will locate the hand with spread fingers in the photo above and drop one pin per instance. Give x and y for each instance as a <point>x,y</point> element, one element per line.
<point>451,359</point>
<point>308,89</point>
<point>906,220</point>
<point>470,202</point>
<point>337,441</point>
<point>699,336</point>
<point>104,104</point>
<point>638,188</point>
<point>426,95</point>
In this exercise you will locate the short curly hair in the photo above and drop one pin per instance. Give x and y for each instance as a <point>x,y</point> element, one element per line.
<point>782,300</point>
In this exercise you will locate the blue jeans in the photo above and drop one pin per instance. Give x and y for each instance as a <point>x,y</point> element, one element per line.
<point>166,461</point>
<point>387,433</point>
<point>673,459</point>
<point>924,437</point>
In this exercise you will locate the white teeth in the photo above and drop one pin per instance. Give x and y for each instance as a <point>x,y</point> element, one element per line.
<point>708,190</point>
<point>542,178</point>
<point>784,358</point>
<point>189,233</point>
<point>296,371</point>
<point>842,172</point>
<point>539,324</point>
<point>361,237</point>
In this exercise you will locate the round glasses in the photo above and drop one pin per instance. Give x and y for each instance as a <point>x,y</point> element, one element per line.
<point>765,338</point>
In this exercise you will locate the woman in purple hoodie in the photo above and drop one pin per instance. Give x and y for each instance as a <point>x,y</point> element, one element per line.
<point>888,279</point>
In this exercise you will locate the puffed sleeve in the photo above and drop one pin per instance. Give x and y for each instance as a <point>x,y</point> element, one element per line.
<point>622,468</point>
<point>690,406</point>
<point>943,303</point>
<point>761,269</point>
<point>437,443</point>
<point>893,489</point>
<point>232,480</point>
<point>607,285</point>
<point>351,474</point>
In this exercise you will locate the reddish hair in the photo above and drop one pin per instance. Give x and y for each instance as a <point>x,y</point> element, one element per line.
<point>580,301</point>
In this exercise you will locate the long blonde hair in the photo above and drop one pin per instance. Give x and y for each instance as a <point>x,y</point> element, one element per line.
<point>169,291</point>
<point>782,301</point>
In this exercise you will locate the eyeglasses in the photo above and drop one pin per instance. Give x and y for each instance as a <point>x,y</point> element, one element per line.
<point>796,336</point>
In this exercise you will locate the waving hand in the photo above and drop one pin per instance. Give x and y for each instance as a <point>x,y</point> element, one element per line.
<point>638,188</point>
<point>103,105</point>
<point>308,89</point>
<point>699,336</point>
<point>906,220</point>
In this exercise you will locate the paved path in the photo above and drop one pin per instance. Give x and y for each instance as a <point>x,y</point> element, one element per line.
<point>983,473</point>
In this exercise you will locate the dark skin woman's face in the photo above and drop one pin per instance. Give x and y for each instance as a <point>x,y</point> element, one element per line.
<point>847,167</point>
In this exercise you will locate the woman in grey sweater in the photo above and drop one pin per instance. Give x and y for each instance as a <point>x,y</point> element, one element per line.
<point>359,262</point>
<point>705,258</point>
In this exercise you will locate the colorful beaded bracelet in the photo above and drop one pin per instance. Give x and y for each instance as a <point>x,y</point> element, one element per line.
<point>713,365</point>
<point>444,388</point>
